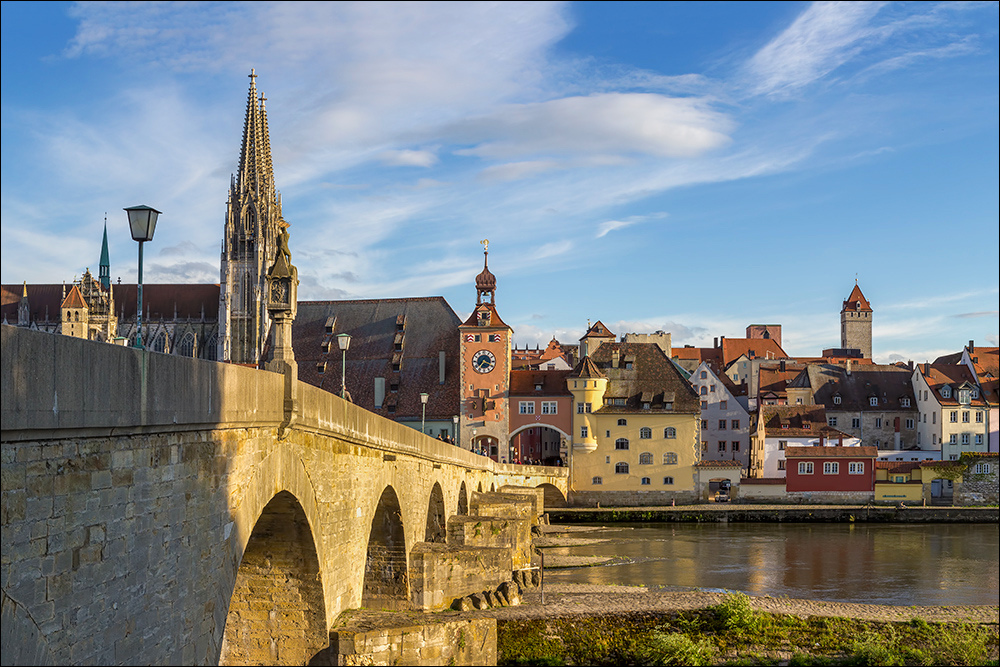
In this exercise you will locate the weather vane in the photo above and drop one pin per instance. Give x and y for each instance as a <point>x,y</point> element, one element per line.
<point>486,245</point>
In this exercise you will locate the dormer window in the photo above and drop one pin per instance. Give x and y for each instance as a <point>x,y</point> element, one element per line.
<point>484,318</point>
<point>873,401</point>
<point>836,400</point>
<point>538,386</point>
<point>963,396</point>
<point>807,427</point>
<point>946,392</point>
<point>974,393</point>
<point>904,402</point>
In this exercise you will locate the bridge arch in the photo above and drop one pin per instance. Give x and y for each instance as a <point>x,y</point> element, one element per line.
<point>386,584</point>
<point>539,442</point>
<point>279,569</point>
<point>435,530</point>
<point>553,496</point>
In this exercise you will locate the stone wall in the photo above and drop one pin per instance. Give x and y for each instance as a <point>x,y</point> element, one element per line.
<point>830,497</point>
<point>466,642</point>
<point>979,488</point>
<point>632,498</point>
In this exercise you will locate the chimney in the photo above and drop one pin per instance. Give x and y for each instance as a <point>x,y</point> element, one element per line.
<point>927,369</point>
<point>972,346</point>
<point>909,364</point>
<point>782,365</point>
<point>715,342</point>
<point>848,367</point>
<point>441,367</point>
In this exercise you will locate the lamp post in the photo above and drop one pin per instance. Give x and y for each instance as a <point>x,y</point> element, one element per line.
<point>142,223</point>
<point>423,410</point>
<point>474,441</point>
<point>454,430</point>
<point>344,342</point>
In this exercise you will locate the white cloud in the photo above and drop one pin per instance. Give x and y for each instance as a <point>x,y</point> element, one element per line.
<point>408,158</point>
<point>611,225</point>
<point>821,39</point>
<point>603,124</point>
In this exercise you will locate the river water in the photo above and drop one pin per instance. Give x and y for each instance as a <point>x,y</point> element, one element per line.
<point>897,564</point>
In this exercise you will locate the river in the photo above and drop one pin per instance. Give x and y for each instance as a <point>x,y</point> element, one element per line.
<point>897,564</point>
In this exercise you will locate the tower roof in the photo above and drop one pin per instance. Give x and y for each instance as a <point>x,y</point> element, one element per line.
<point>486,282</point>
<point>857,300</point>
<point>74,299</point>
<point>587,369</point>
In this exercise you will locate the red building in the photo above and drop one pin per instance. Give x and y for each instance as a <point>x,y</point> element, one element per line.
<point>839,469</point>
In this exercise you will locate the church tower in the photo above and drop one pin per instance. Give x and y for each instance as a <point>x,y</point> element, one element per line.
<point>856,323</point>
<point>250,240</point>
<point>484,371</point>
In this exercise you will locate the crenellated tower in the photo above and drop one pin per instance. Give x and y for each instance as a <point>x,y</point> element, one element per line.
<point>250,240</point>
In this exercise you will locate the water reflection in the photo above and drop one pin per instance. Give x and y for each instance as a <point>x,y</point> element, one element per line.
<point>877,564</point>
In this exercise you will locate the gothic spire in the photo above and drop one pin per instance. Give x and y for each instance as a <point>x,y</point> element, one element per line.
<point>255,159</point>
<point>105,269</point>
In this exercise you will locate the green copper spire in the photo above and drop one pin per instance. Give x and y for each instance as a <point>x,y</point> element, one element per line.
<point>105,270</point>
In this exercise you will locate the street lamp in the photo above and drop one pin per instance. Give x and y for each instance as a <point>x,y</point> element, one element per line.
<point>423,410</point>
<point>473,444</point>
<point>454,430</point>
<point>343,342</point>
<point>142,222</point>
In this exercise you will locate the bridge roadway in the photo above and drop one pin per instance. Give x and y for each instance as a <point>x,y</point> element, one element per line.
<point>150,501</point>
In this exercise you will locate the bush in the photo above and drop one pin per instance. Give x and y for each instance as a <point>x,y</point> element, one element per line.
<point>674,648</point>
<point>738,617</point>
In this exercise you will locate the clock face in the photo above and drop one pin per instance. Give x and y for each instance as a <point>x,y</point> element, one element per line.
<point>483,361</point>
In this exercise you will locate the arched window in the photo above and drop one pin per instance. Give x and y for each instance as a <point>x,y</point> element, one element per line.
<point>670,458</point>
<point>704,390</point>
<point>646,459</point>
<point>836,400</point>
<point>186,347</point>
<point>623,422</point>
<point>621,443</point>
<point>212,348</point>
<point>668,480</point>
<point>670,433</point>
<point>621,468</point>
<point>645,481</point>
<point>704,375</point>
<point>645,433</point>
<point>597,480</point>
<point>160,342</point>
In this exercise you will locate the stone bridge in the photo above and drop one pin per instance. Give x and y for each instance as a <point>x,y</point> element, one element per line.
<point>157,509</point>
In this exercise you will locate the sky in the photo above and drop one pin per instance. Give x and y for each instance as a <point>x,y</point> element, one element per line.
<point>686,167</point>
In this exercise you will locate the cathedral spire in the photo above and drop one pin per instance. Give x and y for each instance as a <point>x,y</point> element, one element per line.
<point>255,155</point>
<point>104,272</point>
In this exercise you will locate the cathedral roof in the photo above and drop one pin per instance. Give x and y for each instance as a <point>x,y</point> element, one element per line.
<point>857,300</point>
<point>410,333</point>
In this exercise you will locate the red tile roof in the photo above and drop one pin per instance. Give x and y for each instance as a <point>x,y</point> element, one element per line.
<point>74,299</point>
<point>857,300</point>
<point>553,383</point>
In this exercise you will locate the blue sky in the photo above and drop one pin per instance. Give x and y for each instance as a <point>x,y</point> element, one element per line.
<point>690,167</point>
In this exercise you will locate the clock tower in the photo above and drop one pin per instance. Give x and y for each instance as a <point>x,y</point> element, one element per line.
<point>484,345</point>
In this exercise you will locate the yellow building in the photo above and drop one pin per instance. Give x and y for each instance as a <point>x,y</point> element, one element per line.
<point>636,425</point>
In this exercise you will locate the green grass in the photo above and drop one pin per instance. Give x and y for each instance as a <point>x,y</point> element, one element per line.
<point>733,633</point>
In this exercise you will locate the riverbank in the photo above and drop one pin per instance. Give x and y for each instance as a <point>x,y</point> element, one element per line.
<point>724,512</point>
